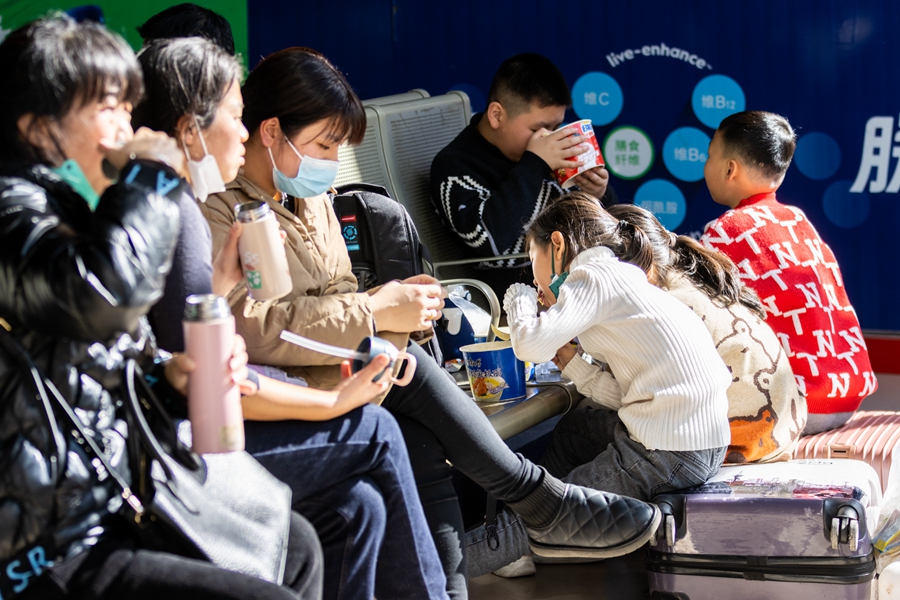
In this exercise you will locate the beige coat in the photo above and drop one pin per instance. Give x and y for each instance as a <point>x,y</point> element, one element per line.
<point>766,409</point>
<point>324,304</point>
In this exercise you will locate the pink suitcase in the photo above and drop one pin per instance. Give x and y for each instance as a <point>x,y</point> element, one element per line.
<point>869,436</point>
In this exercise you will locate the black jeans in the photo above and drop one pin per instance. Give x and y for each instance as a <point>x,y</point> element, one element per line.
<point>442,423</point>
<point>118,569</point>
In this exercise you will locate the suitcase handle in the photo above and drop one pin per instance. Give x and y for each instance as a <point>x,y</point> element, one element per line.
<point>841,451</point>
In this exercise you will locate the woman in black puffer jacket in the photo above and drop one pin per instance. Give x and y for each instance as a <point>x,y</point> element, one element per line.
<point>81,262</point>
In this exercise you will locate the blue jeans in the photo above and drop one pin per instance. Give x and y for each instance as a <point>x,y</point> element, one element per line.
<point>352,479</point>
<point>442,423</point>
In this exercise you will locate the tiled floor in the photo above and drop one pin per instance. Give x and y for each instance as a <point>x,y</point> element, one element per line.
<point>621,578</point>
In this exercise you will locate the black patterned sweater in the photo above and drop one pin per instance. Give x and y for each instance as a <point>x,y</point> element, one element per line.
<point>488,200</point>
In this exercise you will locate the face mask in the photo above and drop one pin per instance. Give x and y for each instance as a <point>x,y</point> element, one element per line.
<point>71,173</point>
<point>315,176</point>
<point>558,279</point>
<point>206,178</point>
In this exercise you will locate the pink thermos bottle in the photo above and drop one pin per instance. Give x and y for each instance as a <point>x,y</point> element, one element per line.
<point>214,401</point>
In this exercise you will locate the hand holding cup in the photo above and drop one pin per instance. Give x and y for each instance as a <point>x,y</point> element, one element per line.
<point>557,148</point>
<point>593,181</point>
<point>144,144</point>
<point>589,159</point>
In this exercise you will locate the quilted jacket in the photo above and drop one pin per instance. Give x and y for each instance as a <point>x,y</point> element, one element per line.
<point>74,288</point>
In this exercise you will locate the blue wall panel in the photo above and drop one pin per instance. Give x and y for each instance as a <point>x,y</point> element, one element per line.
<point>826,65</point>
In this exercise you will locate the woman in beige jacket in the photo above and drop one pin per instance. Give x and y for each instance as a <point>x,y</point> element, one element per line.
<point>298,110</point>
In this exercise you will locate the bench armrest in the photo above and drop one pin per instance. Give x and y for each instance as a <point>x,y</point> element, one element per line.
<point>474,261</point>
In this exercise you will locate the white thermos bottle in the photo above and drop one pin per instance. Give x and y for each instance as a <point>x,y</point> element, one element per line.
<point>263,257</point>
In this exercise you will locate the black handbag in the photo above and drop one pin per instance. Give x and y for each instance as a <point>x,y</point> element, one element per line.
<point>224,508</point>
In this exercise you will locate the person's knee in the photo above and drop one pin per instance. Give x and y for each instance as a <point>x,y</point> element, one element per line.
<point>365,510</point>
<point>354,511</point>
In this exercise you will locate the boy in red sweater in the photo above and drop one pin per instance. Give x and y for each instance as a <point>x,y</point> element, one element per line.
<point>780,255</point>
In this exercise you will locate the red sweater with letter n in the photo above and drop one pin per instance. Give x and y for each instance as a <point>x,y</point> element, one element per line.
<point>780,255</point>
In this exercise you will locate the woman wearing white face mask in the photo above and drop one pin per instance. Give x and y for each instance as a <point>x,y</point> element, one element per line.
<point>329,446</point>
<point>209,132</point>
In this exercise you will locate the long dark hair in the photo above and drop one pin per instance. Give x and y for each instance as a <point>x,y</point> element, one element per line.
<point>300,87</point>
<point>711,271</point>
<point>584,224</point>
<point>183,76</point>
<point>52,66</point>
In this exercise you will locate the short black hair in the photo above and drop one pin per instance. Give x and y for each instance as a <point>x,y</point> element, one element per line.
<point>762,140</point>
<point>189,20</point>
<point>54,65</point>
<point>529,79</point>
<point>183,76</point>
<point>300,87</point>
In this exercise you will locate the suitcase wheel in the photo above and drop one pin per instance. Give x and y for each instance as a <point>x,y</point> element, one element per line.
<point>668,525</point>
<point>835,533</point>
<point>845,528</point>
<point>670,530</point>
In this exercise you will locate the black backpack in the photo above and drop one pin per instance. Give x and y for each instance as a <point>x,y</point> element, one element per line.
<point>380,235</point>
<point>383,243</point>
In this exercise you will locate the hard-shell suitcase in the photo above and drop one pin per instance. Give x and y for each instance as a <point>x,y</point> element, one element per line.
<point>870,436</point>
<point>791,530</point>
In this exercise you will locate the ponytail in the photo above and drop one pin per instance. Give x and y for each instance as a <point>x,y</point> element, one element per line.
<point>637,248</point>
<point>712,272</point>
<point>584,224</point>
<point>715,274</point>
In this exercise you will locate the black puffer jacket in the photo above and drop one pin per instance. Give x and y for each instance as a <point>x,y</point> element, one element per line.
<point>74,286</point>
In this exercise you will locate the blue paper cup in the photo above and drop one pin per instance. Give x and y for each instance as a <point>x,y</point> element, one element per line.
<point>495,374</point>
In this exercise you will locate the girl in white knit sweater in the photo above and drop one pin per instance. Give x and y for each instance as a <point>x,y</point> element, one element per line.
<point>655,416</point>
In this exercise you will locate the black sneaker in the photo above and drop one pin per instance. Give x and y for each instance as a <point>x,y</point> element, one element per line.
<point>594,524</point>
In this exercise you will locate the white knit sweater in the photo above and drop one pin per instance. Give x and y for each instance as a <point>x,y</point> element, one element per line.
<point>669,384</point>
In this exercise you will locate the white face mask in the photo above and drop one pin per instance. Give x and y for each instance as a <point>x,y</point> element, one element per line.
<point>206,178</point>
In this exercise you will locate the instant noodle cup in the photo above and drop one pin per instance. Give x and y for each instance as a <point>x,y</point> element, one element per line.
<point>495,374</point>
<point>592,158</point>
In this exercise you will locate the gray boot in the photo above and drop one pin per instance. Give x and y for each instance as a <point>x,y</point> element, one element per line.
<point>594,524</point>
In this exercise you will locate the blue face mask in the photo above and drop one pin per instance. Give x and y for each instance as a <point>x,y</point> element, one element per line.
<point>558,279</point>
<point>71,173</point>
<point>315,176</point>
